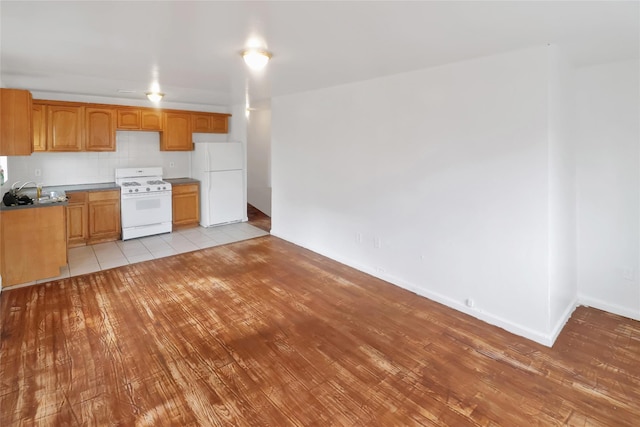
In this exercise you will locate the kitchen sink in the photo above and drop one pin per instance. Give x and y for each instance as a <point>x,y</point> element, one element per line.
<point>52,197</point>
<point>45,197</point>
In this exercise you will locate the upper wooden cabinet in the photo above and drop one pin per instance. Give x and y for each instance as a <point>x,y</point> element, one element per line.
<point>64,128</point>
<point>209,123</point>
<point>177,132</point>
<point>39,127</point>
<point>128,118</point>
<point>77,126</point>
<point>151,120</point>
<point>16,138</point>
<point>100,129</point>
<point>133,118</point>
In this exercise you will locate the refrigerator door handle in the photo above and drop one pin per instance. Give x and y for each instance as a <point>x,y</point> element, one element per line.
<point>208,169</point>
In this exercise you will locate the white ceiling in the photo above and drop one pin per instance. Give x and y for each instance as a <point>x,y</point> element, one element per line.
<point>97,48</point>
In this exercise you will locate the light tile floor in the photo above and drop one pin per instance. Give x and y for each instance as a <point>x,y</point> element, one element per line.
<point>102,256</point>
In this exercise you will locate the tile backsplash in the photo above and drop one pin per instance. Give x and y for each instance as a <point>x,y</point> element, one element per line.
<point>133,149</point>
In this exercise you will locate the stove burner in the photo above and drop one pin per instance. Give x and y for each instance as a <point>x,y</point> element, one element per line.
<point>156,182</point>
<point>130,184</point>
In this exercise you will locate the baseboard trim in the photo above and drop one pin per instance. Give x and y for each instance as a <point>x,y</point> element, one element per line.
<point>605,306</point>
<point>492,319</point>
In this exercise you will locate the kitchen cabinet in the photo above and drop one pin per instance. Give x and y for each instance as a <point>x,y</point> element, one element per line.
<point>209,123</point>
<point>128,118</point>
<point>77,219</point>
<point>100,129</point>
<point>65,128</point>
<point>151,120</point>
<point>39,126</point>
<point>16,137</point>
<point>33,244</point>
<point>104,216</point>
<point>139,119</point>
<point>93,217</point>
<point>177,132</point>
<point>186,205</point>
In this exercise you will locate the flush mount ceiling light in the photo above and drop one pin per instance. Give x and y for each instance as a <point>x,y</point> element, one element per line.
<point>256,59</point>
<point>154,96</point>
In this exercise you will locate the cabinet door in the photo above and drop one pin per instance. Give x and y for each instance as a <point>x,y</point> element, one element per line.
<point>33,244</point>
<point>151,120</point>
<point>186,205</point>
<point>64,128</point>
<point>177,132</point>
<point>219,123</point>
<point>209,123</point>
<point>128,118</point>
<point>77,226</point>
<point>104,216</point>
<point>16,138</point>
<point>100,130</point>
<point>39,125</point>
<point>201,123</point>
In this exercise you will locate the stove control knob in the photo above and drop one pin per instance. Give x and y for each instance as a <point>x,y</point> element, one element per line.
<point>136,190</point>
<point>164,188</point>
<point>148,189</point>
<point>130,190</point>
<point>158,188</point>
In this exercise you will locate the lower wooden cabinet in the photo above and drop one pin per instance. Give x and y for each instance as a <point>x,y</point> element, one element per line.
<point>186,205</point>
<point>77,219</point>
<point>93,217</point>
<point>104,216</point>
<point>33,244</point>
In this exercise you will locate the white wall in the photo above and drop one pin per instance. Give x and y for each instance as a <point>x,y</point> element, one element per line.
<point>259,158</point>
<point>436,180</point>
<point>563,291</point>
<point>608,186</point>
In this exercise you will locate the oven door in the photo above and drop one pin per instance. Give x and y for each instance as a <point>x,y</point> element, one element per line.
<point>146,209</point>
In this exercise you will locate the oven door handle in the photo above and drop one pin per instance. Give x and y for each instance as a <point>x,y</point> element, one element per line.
<point>136,196</point>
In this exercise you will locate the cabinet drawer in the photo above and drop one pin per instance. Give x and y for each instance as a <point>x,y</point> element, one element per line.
<point>184,188</point>
<point>95,196</point>
<point>77,197</point>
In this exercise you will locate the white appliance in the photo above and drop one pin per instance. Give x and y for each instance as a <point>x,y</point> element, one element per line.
<point>219,166</point>
<point>145,202</point>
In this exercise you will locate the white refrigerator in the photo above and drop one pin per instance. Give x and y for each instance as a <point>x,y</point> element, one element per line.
<point>219,166</point>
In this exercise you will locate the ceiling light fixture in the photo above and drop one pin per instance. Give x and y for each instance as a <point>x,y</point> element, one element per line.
<point>154,96</point>
<point>256,59</point>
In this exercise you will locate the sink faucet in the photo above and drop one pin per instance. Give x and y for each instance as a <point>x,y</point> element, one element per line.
<point>13,186</point>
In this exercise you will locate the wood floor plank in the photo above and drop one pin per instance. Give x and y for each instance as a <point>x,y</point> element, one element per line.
<point>262,332</point>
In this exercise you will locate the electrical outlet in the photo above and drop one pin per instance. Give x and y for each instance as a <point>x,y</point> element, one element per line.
<point>38,172</point>
<point>172,164</point>
<point>470,303</point>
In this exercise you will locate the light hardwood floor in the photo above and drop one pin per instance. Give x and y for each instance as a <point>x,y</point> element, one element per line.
<point>262,332</point>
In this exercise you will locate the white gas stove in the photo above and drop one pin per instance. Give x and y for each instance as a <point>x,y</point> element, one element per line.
<point>145,201</point>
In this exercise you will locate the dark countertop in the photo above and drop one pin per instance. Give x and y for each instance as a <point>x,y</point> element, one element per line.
<point>181,181</point>
<point>67,189</point>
